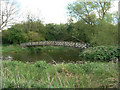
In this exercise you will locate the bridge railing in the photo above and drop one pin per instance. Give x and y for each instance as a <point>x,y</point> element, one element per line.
<point>56,43</point>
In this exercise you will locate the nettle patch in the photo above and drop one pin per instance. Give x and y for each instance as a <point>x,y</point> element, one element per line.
<point>106,53</point>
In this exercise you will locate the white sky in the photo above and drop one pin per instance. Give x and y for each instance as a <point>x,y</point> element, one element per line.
<point>49,11</point>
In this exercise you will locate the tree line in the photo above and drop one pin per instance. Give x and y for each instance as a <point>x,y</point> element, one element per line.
<point>94,25</point>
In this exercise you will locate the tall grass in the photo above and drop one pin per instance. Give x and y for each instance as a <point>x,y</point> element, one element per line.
<point>43,75</point>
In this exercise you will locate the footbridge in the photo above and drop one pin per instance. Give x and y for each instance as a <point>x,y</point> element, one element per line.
<point>81,45</point>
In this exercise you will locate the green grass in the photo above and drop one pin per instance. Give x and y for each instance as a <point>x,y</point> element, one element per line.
<point>17,48</point>
<point>16,74</point>
<point>12,48</point>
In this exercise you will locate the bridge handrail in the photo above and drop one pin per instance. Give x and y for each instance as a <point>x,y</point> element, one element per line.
<point>56,43</point>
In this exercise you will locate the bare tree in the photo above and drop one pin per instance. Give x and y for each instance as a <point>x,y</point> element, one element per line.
<point>8,10</point>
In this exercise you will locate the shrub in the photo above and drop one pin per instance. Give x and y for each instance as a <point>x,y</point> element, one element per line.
<point>100,53</point>
<point>34,49</point>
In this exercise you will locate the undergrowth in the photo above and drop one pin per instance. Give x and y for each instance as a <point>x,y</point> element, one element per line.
<point>16,74</point>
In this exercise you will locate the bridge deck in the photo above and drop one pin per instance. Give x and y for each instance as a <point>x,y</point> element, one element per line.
<point>56,43</point>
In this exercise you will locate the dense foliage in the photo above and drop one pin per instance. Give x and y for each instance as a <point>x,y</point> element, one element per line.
<point>100,53</point>
<point>79,31</point>
<point>23,32</point>
<point>90,12</point>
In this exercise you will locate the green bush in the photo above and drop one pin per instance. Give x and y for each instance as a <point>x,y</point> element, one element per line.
<point>34,49</point>
<point>100,53</point>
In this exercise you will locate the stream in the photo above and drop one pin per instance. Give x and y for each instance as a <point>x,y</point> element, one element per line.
<point>49,55</point>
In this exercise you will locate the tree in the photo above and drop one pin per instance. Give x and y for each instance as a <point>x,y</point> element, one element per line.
<point>24,32</point>
<point>107,34</point>
<point>33,36</point>
<point>5,35</point>
<point>15,35</point>
<point>89,12</point>
<point>9,9</point>
<point>56,32</point>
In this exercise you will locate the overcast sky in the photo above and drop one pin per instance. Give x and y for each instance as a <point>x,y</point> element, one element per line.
<point>49,11</point>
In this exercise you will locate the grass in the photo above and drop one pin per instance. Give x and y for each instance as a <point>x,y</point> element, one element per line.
<point>16,74</point>
<point>12,48</point>
<point>17,48</point>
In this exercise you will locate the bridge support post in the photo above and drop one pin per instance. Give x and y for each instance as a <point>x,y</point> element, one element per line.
<point>74,44</point>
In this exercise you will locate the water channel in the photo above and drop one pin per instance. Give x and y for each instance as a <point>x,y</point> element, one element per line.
<point>48,55</point>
